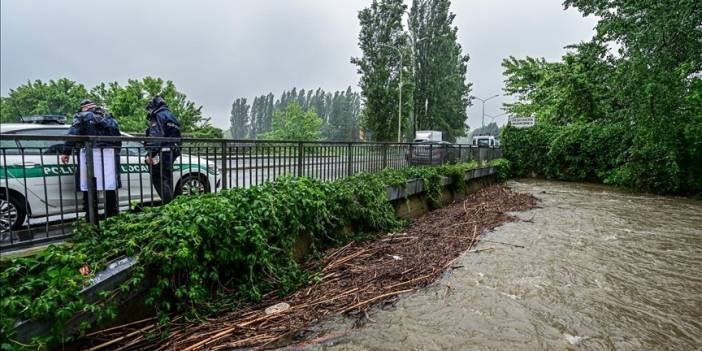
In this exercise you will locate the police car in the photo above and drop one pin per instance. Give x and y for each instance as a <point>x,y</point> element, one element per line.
<point>34,183</point>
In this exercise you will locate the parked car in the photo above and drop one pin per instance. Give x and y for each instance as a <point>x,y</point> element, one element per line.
<point>34,184</point>
<point>431,153</point>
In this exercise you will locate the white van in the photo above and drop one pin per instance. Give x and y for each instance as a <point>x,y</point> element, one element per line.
<point>485,141</point>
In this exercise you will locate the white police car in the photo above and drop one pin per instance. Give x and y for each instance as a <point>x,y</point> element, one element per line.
<point>34,183</point>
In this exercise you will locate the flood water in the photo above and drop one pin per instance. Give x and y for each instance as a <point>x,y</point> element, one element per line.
<point>602,269</point>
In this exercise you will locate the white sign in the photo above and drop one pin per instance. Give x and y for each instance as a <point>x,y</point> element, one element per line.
<point>103,169</point>
<point>522,122</point>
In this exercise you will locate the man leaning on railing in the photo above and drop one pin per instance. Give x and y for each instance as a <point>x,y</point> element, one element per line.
<point>95,121</point>
<point>162,154</point>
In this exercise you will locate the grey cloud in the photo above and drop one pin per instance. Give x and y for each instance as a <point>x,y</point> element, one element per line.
<point>216,51</point>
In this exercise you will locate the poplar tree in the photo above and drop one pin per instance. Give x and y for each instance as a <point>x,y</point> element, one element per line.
<point>441,93</point>
<point>382,39</point>
<point>239,119</point>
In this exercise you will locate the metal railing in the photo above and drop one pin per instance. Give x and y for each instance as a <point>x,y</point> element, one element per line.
<point>40,195</point>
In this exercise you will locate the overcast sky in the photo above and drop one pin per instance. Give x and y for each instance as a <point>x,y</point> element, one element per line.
<point>216,51</point>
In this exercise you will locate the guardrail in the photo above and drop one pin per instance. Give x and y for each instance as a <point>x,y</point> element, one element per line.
<point>40,195</point>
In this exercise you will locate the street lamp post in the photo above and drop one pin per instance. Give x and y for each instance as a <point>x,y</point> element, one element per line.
<point>484,101</point>
<point>399,109</point>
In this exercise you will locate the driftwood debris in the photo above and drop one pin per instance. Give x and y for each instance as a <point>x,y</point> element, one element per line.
<point>353,278</point>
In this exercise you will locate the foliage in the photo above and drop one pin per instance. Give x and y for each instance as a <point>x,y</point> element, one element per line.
<point>385,58</point>
<point>648,93</point>
<point>5,116</point>
<point>55,97</point>
<point>239,119</point>
<point>342,117</point>
<point>206,131</point>
<point>441,95</point>
<point>503,168</point>
<point>292,123</point>
<point>426,63</point>
<point>574,90</point>
<point>234,245</point>
<point>339,112</point>
<point>126,103</point>
<point>490,129</point>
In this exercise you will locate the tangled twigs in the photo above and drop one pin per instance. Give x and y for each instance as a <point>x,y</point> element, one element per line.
<point>354,278</point>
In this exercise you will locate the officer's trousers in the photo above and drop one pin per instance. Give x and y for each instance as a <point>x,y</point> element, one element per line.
<point>111,202</point>
<point>162,176</point>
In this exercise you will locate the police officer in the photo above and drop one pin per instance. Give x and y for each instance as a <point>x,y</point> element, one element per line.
<point>162,154</point>
<point>92,120</point>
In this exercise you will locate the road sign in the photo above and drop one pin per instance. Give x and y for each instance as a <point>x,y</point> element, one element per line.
<point>522,122</point>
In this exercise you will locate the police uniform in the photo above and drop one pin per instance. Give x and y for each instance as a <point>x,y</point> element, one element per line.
<point>162,124</point>
<point>97,122</point>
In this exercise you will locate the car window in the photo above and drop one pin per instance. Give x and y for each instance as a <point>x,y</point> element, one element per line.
<point>132,148</point>
<point>47,147</point>
<point>8,147</point>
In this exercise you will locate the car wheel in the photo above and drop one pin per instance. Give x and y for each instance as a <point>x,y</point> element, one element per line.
<point>13,212</point>
<point>192,184</point>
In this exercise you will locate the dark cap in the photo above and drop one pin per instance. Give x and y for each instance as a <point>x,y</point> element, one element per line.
<point>155,103</point>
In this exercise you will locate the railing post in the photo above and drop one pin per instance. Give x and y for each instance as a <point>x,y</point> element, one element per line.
<point>349,159</point>
<point>225,164</point>
<point>385,156</point>
<point>91,211</point>
<point>460,154</point>
<point>431,154</point>
<point>300,155</point>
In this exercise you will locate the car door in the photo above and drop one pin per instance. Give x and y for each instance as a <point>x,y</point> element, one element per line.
<point>47,179</point>
<point>136,181</point>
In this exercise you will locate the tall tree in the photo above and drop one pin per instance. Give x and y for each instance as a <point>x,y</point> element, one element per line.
<point>292,123</point>
<point>649,90</point>
<point>343,119</point>
<point>60,97</point>
<point>441,93</point>
<point>580,88</point>
<point>239,119</point>
<point>385,59</point>
<point>339,112</point>
<point>127,103</point>
<point>658,70</point>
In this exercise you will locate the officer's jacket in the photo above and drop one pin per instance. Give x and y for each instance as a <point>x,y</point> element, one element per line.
<point>89,123</point>
<point>162,124</point>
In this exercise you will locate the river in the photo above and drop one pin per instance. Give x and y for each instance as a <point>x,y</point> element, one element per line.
<point>602,269</point>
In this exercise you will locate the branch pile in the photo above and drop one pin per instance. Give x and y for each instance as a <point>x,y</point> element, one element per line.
<point>353,278</point>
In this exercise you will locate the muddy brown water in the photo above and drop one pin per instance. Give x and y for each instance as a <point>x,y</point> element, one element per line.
<point>602,269</point>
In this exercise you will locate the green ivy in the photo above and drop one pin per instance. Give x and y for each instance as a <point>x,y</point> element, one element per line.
<point>235,245</point>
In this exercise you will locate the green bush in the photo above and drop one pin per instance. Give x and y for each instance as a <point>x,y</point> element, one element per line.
<point>503,169</point>
<point>235,246</point>
<point>613,153</point>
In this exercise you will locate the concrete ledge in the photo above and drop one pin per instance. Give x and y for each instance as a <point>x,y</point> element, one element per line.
<point>416,186</point>
<point>116,273</point>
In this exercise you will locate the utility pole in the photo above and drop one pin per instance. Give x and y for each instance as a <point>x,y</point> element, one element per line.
<point>484,101</point>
